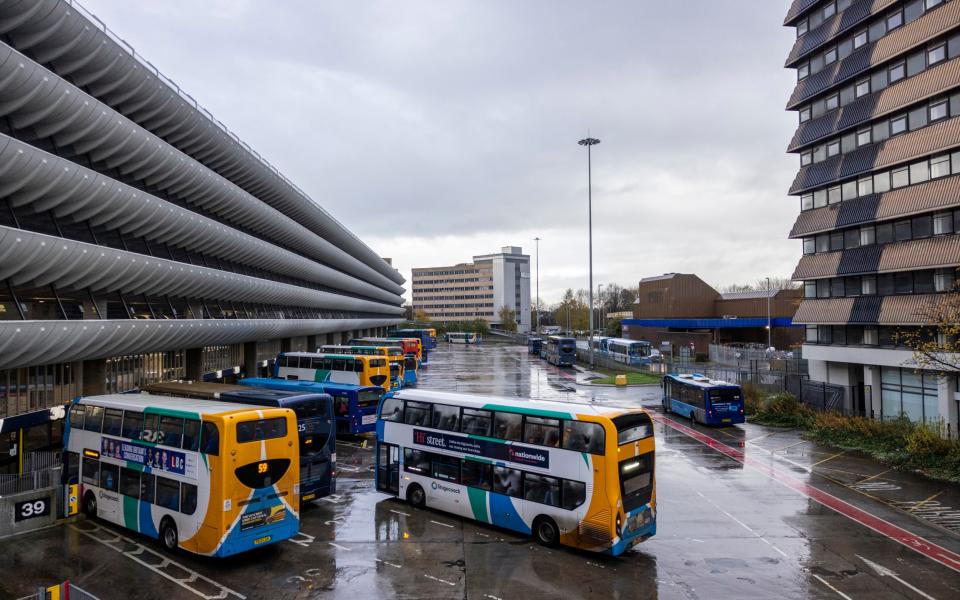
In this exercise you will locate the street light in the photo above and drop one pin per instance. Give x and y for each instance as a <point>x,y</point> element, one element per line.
<point>588,142</point>
<point>769,329</point>
<point>600,323</point>
<point>537,240</point>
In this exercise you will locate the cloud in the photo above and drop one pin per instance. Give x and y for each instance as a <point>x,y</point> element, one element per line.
<point>440,131</point>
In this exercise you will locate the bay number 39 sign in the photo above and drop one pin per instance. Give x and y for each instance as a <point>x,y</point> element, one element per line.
<point>39,507</point>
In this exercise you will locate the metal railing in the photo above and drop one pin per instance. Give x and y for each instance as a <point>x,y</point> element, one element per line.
<point>42,460</point>
<point>74,593</point>
<point>28,482</point>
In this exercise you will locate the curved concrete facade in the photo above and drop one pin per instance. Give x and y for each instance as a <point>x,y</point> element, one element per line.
<point>60,36</point>
<point>119,192</point>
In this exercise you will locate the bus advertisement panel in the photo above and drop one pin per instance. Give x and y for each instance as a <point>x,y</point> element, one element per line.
<point>703,400</point>
<point>578,475</point>
<point>207,477</point>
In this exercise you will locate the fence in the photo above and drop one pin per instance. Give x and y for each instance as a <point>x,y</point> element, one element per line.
<point>41,461</point>
<point>67,590</point>
<point>27,482</point>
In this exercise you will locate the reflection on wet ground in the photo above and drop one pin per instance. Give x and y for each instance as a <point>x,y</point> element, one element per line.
<point>724,530</point>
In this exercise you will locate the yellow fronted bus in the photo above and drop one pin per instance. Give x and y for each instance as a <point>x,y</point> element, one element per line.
<point>207,477</point>
<point>334,368</point>
<point>565,473</point>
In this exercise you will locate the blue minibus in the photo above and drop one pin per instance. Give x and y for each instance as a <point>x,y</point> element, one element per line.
<point>703,400</point>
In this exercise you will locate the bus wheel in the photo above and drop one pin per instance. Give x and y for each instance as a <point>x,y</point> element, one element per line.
<point>416,496</point>
<point>168,534</point>
<point>90,505</point>
<point>545,532</point>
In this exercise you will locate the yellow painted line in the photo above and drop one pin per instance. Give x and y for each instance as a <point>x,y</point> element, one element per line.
<point>820,462</point>
<point>875,476</point>
<point>922,502</point>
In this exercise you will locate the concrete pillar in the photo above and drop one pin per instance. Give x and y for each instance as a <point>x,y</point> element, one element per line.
<point>312,344</point>
<point>94,377</point>
<point>250,367</point>
<point>194,364</point>
<point>330,339</point>
<point>871,382</point>
<point>948,406</point>
<point>285,344</point>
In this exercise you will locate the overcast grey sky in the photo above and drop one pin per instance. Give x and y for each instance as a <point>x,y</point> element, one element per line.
<point>439,130</point>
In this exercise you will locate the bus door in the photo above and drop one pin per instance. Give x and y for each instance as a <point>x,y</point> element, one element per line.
<point>388,468</point>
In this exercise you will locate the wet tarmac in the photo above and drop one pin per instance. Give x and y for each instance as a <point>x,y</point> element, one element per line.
<point>744,512</point>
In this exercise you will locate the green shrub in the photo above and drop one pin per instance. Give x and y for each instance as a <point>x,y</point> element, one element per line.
<point>780,410</point>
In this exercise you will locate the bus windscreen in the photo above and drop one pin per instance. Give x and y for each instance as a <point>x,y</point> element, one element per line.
<point>631,428</point>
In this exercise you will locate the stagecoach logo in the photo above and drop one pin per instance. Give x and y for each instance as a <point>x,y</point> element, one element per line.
<point>443,488</point>
<point>535,457</point>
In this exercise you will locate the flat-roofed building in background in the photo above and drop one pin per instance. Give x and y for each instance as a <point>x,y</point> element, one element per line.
<point>476,290</point>
<point>878,104</point>
<point>140,240</point>
<point>684,310</point>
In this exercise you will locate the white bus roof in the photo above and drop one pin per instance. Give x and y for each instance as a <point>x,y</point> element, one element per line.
<point>626,341</point>
<point>701,380</point>
<point>478,401</point>
<point>144,400</point>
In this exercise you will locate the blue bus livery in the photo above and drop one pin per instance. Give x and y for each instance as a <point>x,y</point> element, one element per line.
<point>561,351</point>
<point>428,340</point>
<point>534,345</point>
<point>703,400</point>
<point>355,406</point>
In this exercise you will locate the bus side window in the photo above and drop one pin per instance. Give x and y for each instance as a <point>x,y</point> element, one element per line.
<point>132,424</point>
<point>507,426</point>
<point>542,431</point>
<point>573,494</point>
<point>109,476</point>
<point>477,474</point>
<point>171,429</point>
<point>73,467</point>
<point>392,410</point>
<point>91,471</point>
<point>168,493</point>
<point>210,439</point>
<point>151,430</point>
<point>94,419</point>
<point>191,435</point>
<point>542,489</point>
<point>582,436</point>
<point>358,365</point>
<point>188,498</point>
<point>446,417</point>
<point>147,481</point>
<point>417,413</point>
<point>130,482</point>
<point>507,481</point>
<point>476,422</point>
<point>77,412</point>
<point>112,420</point>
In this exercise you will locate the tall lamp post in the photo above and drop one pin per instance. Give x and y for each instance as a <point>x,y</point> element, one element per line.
<point>769,328</point>
<point>588,142</point>
<point>537,240</point>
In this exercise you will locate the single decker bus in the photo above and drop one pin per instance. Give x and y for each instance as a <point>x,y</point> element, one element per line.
<point>208,477</point>
<point>703,400</point>
<point>629,352</point>
<point>316,428</point>
<point>463,337</point>
<point>572,474</point>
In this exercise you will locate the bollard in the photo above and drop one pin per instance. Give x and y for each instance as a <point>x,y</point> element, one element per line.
<point>621,380</point>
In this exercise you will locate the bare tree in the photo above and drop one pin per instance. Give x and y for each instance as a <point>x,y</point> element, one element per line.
<point>936,346</point>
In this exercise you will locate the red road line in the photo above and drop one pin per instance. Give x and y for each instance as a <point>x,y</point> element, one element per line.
<point>945,557</point>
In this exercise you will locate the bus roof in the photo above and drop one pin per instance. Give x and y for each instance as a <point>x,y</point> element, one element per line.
<point>304,386</point>
<point>559,338</point>
<point>700,380</point>
<point>144,400</point>
<point>281,396</point>
<point>478,401</point>
<point>190,387</point>
<point>627,341</point>
<point>322,355</point>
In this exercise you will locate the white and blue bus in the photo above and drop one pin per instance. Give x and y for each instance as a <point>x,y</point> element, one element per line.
<point>355,406</point>
<point>703,400</point>
<point>573,474</point>
<point>629,352</point>
<point>463,337</point>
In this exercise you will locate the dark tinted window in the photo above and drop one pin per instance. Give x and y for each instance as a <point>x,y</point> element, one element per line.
<point>112,420</point>
<point>507,481</point>
<point>168,493</point>
<point>417,413</point>
<point>191,435</point>
<point>573,494</point>
<point>132,424</point>
<point>94,418</point>
<point>476,422</point>
<point>171,429</point>
<point>541,489</point>
<point>188,498</point>
<point>147,482</point>
<point>130,482</point>
<point>477,474</point>
<point>210,439</point>
<point>261,429</point>
<point>507,426</point>
<point>638,426</point>
<point>109,476</point>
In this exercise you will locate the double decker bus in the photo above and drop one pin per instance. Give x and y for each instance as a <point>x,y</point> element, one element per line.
<point>571,474</point>
<point>355,407</point>
<point>315,425</point>
<point>428,337</point>
<point>560,351</point>
<point>630,352</point>
<point>207,477</point>
<point>533,345</point>
<point>463,337</point>
<point>410,346</point>
<point>703,400</point>
<point>334,368</point>
<point>393,355</point>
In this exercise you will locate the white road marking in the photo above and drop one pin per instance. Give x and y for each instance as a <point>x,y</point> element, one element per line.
<point>482,534</point>
<point>339,547</point>
<point>333,499</point>
<point>394,565</point>
<point>333,520</point>
<point>882,571</point>
<point>306,540</point>
<point>744,525</point>
<point>399,512</point>
<point>444,524</point>
<point>492,597</point>
<point>348,468</point>
<point>593,564</point>
<point>438,579</point>
<point>159,567</point>
<point>839,593</point>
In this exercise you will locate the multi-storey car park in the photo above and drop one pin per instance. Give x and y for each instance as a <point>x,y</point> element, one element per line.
<point>141,240</point>
<point>878,100</point>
